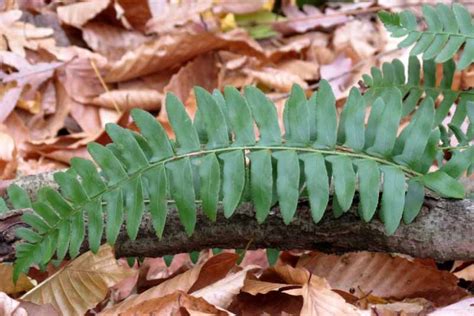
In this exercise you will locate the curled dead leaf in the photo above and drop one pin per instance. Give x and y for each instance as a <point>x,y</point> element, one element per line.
<point>384,276</point>
<point>279,80</point>
<point>170,51</point>
<point>72,290</point>
<point>311,17</point>
<point>110,41</point>
<point>146,99</point>
<point>172,304</point>
<point>79,13</point>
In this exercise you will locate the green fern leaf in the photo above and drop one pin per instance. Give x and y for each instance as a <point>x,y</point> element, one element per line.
<point>218,160</point>
<point>448,29</point>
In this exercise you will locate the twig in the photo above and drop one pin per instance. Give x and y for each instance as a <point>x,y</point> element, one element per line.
<point>104,85</point>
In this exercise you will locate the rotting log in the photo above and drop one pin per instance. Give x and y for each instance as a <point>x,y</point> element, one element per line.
<point>443,231</point>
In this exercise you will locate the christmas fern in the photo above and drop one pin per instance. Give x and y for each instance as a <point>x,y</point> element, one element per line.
<point>145,172</point>
<point>414,90</point>
<point>447,30</point>
<point>217,159</point>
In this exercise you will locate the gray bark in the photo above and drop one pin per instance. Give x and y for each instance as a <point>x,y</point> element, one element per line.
<point>444,230</point>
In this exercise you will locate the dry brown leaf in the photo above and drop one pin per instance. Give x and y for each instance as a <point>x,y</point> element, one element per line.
<point>338,73</point>
<point>301,21</point>
<point>308,71</point>
<point>73,290</point>
<point>173,304</point>
<point>79,13</point>
<point>146,99</point>
<point>222,292</point>
<point>466,273</point>
<point>239,7</point>
<point>46,125</point>
<point>255,287</point>
<point>202,71</point>
<point>360,39</point>
<point>28,79</point>
<point>414,308</point>
<point>385,276</point>
<point>177,14</point>
<point>171,51</point>
<point>111,41</point>
<point>201,274</point>
<point>17,35</point>
<point>137,12</point>
<point>10,307</point>
<point>80,80</point>
<point>320,300</point>
<point>276,79</point>
<point>6,271</point>
<point>288,48</point>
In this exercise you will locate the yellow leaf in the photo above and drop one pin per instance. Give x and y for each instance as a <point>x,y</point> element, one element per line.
<point>82,284</point>
<point>228,22</point>
<point>22,285</point>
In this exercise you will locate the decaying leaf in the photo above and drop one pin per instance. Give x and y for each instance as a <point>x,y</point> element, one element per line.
<point>222,292</point>
<point>128,99</point>
<point>177,14</point>
<point>16,35</point>
<point>81,284</point>
<point>385,276</point>
<point>197,278</point>
<point>111,41</point>
<point>279,80</point>
<point>172,304</point>
<point>170,51</point>
<point>311,17</point>
<point>77,14</point>
<point>7,286</point>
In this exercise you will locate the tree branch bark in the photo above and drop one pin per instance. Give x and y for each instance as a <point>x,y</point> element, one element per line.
<point>443,231</point>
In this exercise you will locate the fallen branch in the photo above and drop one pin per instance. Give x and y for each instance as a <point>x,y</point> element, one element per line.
<point>443,231</point>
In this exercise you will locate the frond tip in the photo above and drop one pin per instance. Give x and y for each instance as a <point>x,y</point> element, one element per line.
<point>448,29</point>
<point>207,164</point>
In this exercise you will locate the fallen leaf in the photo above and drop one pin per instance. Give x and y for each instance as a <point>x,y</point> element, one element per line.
<point>308,71</point>
<point>7,286</point>
<point>301,21</point>
<point>28,76</point>
<point>402,308</point>
<point>145,99</point>
<point>255,287</point>
<point>201,274</point>
<point>110,41</point>
<point>9,306</point>
<point>319,300</point>
<point>222,292</point>
<point>385,276</point>
<point>359,39</point>
<point>17,35</point>
<point>338,73</point>
<point>202,71</point>
<point>173,304</point>
<point>462,308</point>
<point>170,51</point>
<point>80,79</point>
<point>72,290</point>
<point>466,273</point>
<point>137,12</point>
<point>276,79</point>
<point>79,13</point>
<point>240,7</point>
<point>173,15</point>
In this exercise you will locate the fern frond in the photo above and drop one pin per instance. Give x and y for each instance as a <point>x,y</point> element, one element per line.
<point>448,28</point>
<point>208,164</point>
<point>414,90</point>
